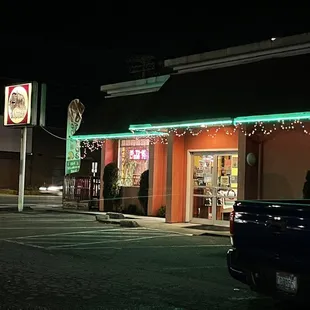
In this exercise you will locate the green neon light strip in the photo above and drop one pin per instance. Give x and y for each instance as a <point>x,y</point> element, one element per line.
<point>125,135</point>
<point>272,117</point>
<point>202,123</point>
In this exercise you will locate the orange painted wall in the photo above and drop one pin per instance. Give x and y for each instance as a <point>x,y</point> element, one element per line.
<point>286,159</point>
<point>176,211</point>
<point>159,177</point>
<point>204,142</point>
<point>180,147</point>
<point>111,151</point>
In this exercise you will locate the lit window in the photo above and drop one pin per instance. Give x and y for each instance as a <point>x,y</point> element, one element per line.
<point>133,160</point>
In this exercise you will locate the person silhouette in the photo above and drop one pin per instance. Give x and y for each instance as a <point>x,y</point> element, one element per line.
<point>306,188</point>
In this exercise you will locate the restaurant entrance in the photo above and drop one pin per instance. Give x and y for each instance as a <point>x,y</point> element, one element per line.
<point>214,185</point>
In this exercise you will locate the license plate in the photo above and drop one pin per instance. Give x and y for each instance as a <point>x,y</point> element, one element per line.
<point>286,282</point>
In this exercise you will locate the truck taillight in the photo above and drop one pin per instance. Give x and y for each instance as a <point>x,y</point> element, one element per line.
<point>232,222</point>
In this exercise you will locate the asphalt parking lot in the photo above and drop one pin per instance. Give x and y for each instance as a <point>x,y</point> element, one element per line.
<point>55,260</point>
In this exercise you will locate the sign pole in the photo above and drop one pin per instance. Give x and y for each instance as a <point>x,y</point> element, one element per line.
<point>22,168</point>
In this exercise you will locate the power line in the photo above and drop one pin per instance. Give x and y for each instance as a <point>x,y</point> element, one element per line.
<point>52,134</point>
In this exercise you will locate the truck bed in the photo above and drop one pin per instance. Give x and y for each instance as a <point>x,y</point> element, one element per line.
<point>271,241</point>
<point>272,226</point>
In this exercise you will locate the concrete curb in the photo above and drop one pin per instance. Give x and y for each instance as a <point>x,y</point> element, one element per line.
<point>215,234</point>
<point>123,222</point>
<point>60,210</point>
<point>129,223</point>
<point>104,218</point>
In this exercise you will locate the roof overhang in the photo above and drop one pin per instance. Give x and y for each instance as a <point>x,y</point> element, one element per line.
<point>162,130</point>
<point>276,48</point>
<point>214,122</point>
<point>184,124</point>
<point>272,118</point>
<point>136,87</point>
<point>124,135</point>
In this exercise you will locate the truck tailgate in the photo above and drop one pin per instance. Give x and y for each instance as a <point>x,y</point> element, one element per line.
<point>273,228</point>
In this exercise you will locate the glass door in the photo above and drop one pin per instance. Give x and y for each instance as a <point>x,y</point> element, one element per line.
<point>203,186</point>
<point>214,186</point>
<point>226,186</point>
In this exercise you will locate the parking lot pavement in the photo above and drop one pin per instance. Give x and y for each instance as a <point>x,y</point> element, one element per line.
<point>93,239</point>
<point>69,261</point>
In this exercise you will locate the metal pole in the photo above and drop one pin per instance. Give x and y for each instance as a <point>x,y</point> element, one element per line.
<point>22,168</point>
<point>260,169</point>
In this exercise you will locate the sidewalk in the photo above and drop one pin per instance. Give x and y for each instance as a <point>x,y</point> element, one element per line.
<point>128,220</point>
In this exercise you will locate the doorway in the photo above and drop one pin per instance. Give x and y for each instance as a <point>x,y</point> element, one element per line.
<point>213,186</point>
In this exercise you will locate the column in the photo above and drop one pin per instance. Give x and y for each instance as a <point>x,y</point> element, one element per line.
<point>109,153</point>
<point>176,180</point>
<point>102,159</point>
<point>248,175</point>
<point>157,177</point>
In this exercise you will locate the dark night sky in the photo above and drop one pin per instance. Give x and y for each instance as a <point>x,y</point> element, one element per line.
<point>77,49</point>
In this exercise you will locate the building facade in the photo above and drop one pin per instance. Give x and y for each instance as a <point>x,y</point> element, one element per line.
<point>198,170</point>
<point>238,130</point>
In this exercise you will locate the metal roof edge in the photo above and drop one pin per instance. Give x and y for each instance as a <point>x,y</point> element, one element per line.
<point>279,47</point>
<point>122,135</point>
<point>141,86</point>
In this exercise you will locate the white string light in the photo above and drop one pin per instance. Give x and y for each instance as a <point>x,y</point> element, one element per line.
<point>90,146</point>
<point>246,129</point>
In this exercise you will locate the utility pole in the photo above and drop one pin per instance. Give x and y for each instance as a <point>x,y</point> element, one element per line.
<point>22,168</point>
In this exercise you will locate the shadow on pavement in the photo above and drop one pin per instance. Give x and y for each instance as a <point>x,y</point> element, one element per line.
<point>258,304</point>
<point>209,227</point>
<point>14,209</point>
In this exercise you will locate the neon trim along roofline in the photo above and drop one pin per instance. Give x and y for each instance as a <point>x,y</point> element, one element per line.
<point>224,121</point>
<point>272,117</point>
<point>186,124</point>
<point>124,135</point>
<point>142,130</point>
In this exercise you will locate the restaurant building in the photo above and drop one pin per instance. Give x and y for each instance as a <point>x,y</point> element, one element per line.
<point>239,132</point>
<point>197,170</point>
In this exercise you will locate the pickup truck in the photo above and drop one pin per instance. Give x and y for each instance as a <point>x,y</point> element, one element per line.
<point>270,249</point>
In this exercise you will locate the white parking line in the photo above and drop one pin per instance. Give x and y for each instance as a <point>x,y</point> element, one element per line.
<point>248,298</point>
<point>106,241</point>
<point>24,244</point>
<point>85,238</point>
<point>167,231</point>
<point>88,238</point>
<point>69,233</point>
<point>23,221</point>
<point>123,233</point>
<point>47,227</point>
<point>192,267</point>
<point>147,247</point>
